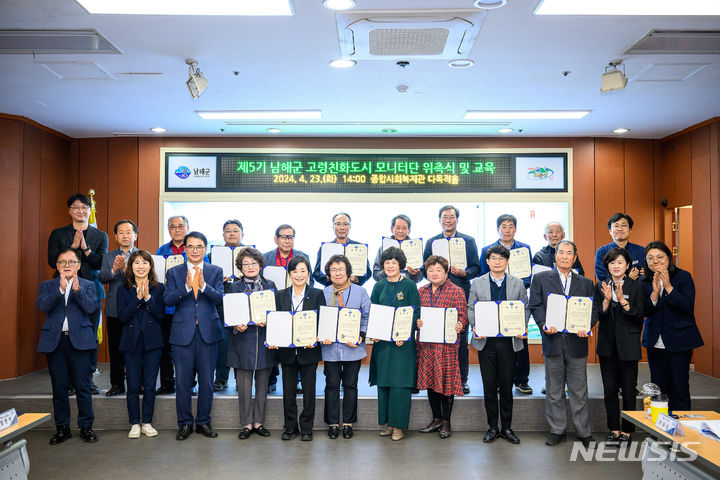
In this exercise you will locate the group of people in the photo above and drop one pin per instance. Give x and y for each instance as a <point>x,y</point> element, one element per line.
<point>177,328</point>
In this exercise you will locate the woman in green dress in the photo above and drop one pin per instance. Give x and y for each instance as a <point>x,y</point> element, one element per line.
<point>393,366</point>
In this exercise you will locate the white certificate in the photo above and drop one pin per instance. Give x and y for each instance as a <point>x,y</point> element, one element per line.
<point>260,303</point>
<point>348,329</point>
<point>304,331</point>
<point>402,324</point>
<point>441,248</point>
<point>380,322</point>
<point>458,255</point>
<point>555,311</point>
<point>512,318</point>
<point>173,261</point>
<point>327,323</point>
<point>519,263</point>
<point>159,262</point>
<point>388,242</point>
<point>279,329</point>
<point>487,322</point>
<point>579,314</point>
<point>433,325</point>
<point>278,275</point>
<point>328,250</point>
<point>222,257</point>
<point>236,309</point>
<point>413,250</point>
<point>451,319</point>
<point>357,254</point>
<point>539,268</point>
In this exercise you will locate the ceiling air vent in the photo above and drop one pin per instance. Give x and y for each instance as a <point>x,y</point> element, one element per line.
<point>423,34</point>
<point>678,41</point>
<point>49,41</point>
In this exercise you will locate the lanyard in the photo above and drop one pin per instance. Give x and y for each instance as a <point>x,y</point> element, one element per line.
<point>564,284</point>
<point>394,291</point>
<point>432,302</point>
<point>293,307</point>
<point>502,287</point>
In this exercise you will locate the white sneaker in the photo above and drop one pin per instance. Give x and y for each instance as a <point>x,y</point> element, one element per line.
<point>148,430</point>
<point>134,431</point>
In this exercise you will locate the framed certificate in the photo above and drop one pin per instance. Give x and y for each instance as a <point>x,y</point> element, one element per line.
<point>340,325</point>
<point>487,319</point>
<point>438,325</point>
<point>512,318</point>
<point>173,261</point>
<point>402,324</point>
<point>412,248</point>
<point>393,324</point>
<point>304,328</point>
<point>453,250</point>
<point>260,303</point>
<point>279,329</point>
<point>451,319</point>
<point>236,309</point>
<point>519,264</point>
<point>568,314</point>
<point>357,254</point>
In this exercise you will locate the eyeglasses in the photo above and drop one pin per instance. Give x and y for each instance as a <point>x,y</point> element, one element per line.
<point>496,259</point>
<point>341,224</point>
<point>83,208</point>
<point>448,217</point>
<point>71,263</point>
<point>657,259</point>
<point>195,248</point>
<point>176,227</point>
<point>250,264</point>
<point>286,237</point>
<point>337,270</point>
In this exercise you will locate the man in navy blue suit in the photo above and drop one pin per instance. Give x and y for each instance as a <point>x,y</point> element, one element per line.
<point>194,289</point>
<point>68,340</point>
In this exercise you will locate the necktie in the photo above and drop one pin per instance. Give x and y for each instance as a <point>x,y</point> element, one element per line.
<point>196,285</point>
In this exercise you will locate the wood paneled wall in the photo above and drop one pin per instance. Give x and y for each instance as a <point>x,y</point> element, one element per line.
<point>609,175</point>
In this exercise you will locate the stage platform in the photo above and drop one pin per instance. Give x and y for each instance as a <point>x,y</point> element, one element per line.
<point>32,393</point>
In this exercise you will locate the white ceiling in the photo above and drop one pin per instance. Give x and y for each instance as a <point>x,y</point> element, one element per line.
<point>282,63</point>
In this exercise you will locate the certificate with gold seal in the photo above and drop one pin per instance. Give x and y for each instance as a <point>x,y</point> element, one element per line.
<point>304,328</point>
<point>512,318</point>
<point>519,264</point>
<point>173,261</point>
<point>451,319</point>
<point>357,254</point>
<point>413,250</point>
<point>260,303</point>
<point>402,324</point>
<point>348,325</point>
<point>579,314</point>
<point>458,256</point>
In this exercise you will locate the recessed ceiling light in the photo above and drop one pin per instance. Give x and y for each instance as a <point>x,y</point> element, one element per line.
<point>461,63</point>
<point>273,130</point>
<point>261,115</point>
<point>524,114</point>
<point>624,7</point>
<point>188,7</point>
<point>506,130</point>
<point>489,4</point>
<point>339,4</point>
<point>620,131</point>
<point>158,130</point>
<point>343,63</point>
<point>389,130</point>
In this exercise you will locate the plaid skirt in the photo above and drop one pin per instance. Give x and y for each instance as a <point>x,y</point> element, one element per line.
<point>438,368</point>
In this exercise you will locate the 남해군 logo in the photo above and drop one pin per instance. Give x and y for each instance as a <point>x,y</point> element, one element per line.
<point>540,173</point>
<point>182,172</point>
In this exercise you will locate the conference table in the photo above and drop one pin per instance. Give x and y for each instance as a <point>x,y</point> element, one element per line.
<point>690,456</point>
<point>14,461</point>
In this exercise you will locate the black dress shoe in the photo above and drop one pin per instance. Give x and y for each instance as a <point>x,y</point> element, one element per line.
<point>491,435</point>
<point>433,426</point>
<point>219,385</point>
<point>347,432</point>
<point>554,438</point>
<point>165,390</point>
<point>524,388</point>
<point>510,436</point>
<point>289,434</point>
<point>94,390</point>
<point>62,434</point>
<point>245,433</point>
<point>445,431</point>
<point>333,431</point>
<point>184,432</point>
<point>306,437</point>
<point>261,430</point>
<point>88,435</point>
<point>587,442</point>
<point>115,390</point>
<point>206,430</point>
<point>612,440</point>
<point>466,388</point>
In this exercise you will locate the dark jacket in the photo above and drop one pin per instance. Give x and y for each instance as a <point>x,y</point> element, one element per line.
<point>619,330</point>
<point>97,242</point>
<point>114,282</point>
<point>283,302</point>
<point>80,304</point>
<point>474,265</point>
<point>247,350</point>
<point>673,317</point>
<point>545,283</point>
<point>546,257</point>
<point>140,316</point>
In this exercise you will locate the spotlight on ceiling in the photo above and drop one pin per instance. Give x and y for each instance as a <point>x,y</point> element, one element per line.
<point>197,83</point>
<point>489,4</point>
<point>339,4</point>
<point>621,131</point>
<point>613,79</point>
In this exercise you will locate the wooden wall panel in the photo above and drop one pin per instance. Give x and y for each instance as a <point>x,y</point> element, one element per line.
<point>11,148</point>
<point>122,187</point>
<point>683,178</point>
<point>609,185</point>
<point>714,176</point>
<point>149,193</point>
<point>639,197</point>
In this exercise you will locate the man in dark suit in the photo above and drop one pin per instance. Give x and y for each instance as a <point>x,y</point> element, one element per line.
<point>506,228</point>
<point>280,257</point>
<point>194,289</point>
<point>112,273</point>
<point>565,353</point>
<point>449,216</point>
<point>90,244</point>
<point>554,232</point>
<point>341,227</point>
<point>68,340</point>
